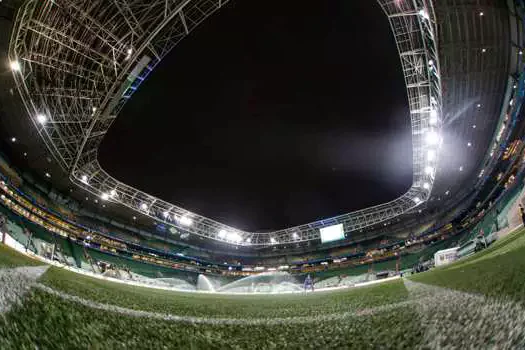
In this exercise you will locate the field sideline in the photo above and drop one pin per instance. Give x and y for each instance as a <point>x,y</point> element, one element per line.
<point>66,310</point>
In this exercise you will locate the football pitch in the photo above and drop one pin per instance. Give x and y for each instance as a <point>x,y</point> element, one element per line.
<point>476,302</point>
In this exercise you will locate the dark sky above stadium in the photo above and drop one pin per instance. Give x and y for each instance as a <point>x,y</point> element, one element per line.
<point>271,114</point>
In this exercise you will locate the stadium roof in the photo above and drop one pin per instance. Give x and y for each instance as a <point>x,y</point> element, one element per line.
<point>477,63</point>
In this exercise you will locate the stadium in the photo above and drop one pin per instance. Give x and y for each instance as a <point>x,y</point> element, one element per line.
<point>97,252</point>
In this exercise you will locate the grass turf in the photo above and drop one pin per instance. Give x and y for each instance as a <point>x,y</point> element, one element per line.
<point>11,258</point>
<point>495,272</point>
<point>226,306</point>
<point>53,323</point>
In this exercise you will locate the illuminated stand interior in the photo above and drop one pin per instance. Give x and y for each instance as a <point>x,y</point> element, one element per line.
<point>74,79</point>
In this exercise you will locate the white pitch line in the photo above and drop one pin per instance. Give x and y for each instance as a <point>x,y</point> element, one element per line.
<point>454,319</point>
<point>225,321</point>
<point>15,283</point>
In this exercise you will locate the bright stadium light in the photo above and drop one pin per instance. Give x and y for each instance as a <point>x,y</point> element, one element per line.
<point>104,196</point>
<point>185,221</point>
<point>433,117</point>
<point>426,185</point>
<point>417,200</point>
<point>165,214</point>
<point>429,170</point>
<point>144,206</point>
<point>272,240</point>
<point>295,235</point>
<point>84,179</point>
<point>113,193</point>
<point>432,138</point>
<point>423,13</point>
<point>15,66</point>
<point>234,237</point>
<point>222,234</point>
<point>248,240</point>
<point>431,155</point>
<point>41,118</point>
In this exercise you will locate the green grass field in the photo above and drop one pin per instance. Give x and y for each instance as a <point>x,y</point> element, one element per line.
<point>379,316</point>
<point>215,305</point>
<point>497,271</point>
<point>11,258</point>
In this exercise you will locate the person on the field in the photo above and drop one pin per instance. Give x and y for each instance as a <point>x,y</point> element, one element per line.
<point>522,213</point>
<point>308,283</point>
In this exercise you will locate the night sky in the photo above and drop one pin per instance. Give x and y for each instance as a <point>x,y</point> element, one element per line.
<point>271,114</point>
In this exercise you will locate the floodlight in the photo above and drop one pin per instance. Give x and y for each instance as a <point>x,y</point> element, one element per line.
<point>430,62</point>
<point>233,236</point>
<point>461,168</point>
<point>13,139</point>
<point>433,117</point>
<point>222,234</point>
<point>144,206</point>
<point>429,170</point>
<point>272,240</point>
<point>432,138</point>
<point>423,13</point>
<point>186,221</point>
<point>426,185</point>
<point>48,175</point>
<point>104,196</point>
<point>248,240</point>
<point>41,118</point>
<point>15,66</point>
<point>165,214</point>
<point>417,200</point>
<point>431,155</point>
<point>295,235</point>
<point>112,193</point>
<point>469,144</point>
<point>84,179</point>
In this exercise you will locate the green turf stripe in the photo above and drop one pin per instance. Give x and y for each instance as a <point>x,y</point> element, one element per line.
<point>11,258</point>
<point>497,272</point>
<point>54,323</point>
<point>215,305</point>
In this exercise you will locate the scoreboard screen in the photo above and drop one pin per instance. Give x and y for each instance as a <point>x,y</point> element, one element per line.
<point>332,233</point>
